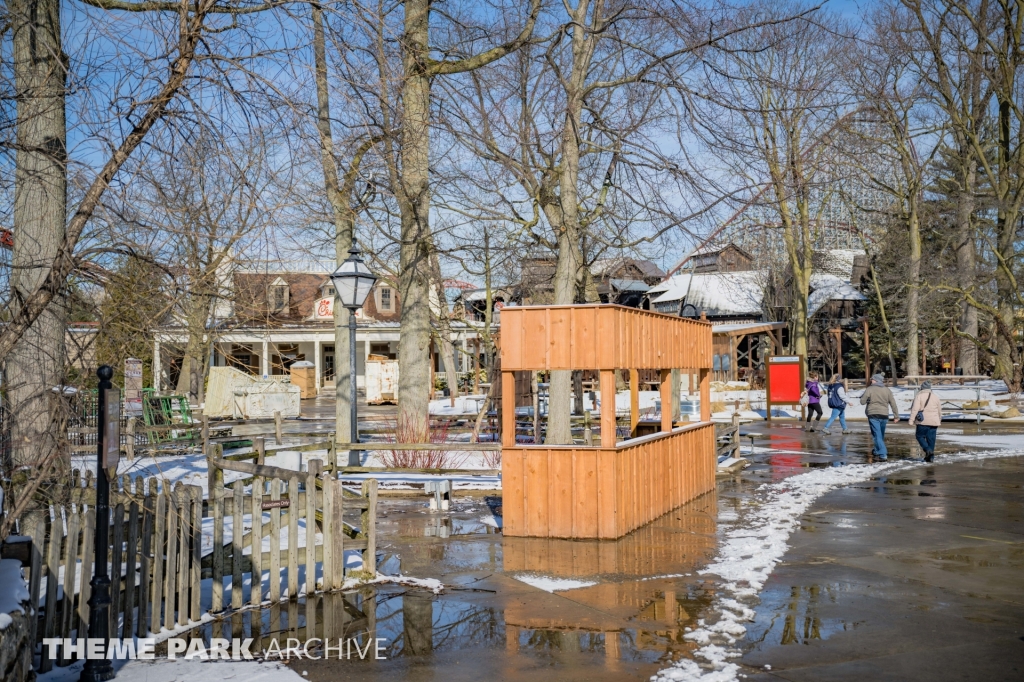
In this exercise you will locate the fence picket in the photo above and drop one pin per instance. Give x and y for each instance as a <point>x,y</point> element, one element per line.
<point>85,586</point>
<point>368,525</point>
<point>293,537</point>
<point>171,566</point>
<point>116,561</point>
<point>52,573</point>
<point>256,542</point>
<point>35,521</point>
<point>161,551</point>
<point>70,573</point>
<point>216,501</point>
<point>237,536</point>
<point>148,509</point>
<point>196,564</point>
<point>131,562</point>
<point>328,528</point>
<point>310,564</point>
<point>275,540</point>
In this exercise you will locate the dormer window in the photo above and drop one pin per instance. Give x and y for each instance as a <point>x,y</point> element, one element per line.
<point>277,296</point>
<point>385,299</point>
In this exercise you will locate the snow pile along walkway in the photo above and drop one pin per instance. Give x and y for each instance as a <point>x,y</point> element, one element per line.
<point>752,547</point>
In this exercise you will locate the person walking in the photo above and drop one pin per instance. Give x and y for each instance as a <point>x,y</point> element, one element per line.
<point>813,391</point>
<point>926,413</point>
<point>879,399</point>
<point>837,401</point>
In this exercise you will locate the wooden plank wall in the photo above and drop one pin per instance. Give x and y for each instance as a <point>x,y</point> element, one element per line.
<point>677,542</point>
<point>600,337</point>
<point>567,492</point>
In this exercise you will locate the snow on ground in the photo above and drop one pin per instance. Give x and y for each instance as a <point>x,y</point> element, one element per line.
<point>163,670</point>
<point>549,584</point>
<point>752,546</point>
<point>13,591</point>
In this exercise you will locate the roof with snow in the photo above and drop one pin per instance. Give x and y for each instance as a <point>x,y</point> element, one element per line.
<point>827,287</point>
<point>717,293</point>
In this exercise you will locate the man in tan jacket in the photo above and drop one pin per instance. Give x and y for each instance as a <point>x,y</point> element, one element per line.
<point>926,414</point>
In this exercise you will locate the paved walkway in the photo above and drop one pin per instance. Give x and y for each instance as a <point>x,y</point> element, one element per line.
<point>919,576</point>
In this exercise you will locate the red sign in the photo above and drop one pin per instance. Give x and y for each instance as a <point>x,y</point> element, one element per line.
<point>784,383</point>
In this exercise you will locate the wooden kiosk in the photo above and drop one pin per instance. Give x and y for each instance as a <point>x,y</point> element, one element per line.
<point>608,490</point>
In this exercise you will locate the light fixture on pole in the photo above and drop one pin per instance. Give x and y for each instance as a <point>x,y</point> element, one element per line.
<point>353,281</point>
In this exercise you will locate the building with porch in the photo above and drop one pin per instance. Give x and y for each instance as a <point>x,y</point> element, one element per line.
<point>269,320</point>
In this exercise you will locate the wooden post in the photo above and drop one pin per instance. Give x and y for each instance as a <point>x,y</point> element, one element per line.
<point>705,395</point>
<point>634,401</point>
<point>332,453</point>
<point>205,432</point>
<point>476,366</point>
<point>839,351</point>
<point>508,409</point>
<point>127,625</point>
<point>736,434</point>
<point>867,355</point>
<point>666,399</point>
<point>277,427</point>
<point>148,513</point>
<point>261,449</point>
<point>608,436</point>
<point>129,446</point>
<point>430,361</point>
<point>535,394</point>
<point>733,369</point>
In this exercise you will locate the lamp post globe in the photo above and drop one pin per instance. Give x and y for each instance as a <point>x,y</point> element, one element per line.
<point>353,282</point>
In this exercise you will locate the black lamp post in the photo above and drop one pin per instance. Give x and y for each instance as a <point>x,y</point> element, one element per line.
<point>353,281</point>
<point>98,670</point>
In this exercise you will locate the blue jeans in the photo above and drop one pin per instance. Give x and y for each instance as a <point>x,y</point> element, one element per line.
<point>926,437</point>
<point>877,425</point>
<point>837,412</point>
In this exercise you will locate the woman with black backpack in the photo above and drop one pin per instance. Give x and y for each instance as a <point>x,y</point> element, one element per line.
<point>837,401</point>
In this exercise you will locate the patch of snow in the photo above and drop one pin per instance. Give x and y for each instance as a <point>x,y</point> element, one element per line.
<point>13,591</point>
<point>164,670</point>
<point>549,584</point>
<point>750,550</point>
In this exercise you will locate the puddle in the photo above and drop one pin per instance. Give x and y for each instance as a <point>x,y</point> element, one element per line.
<point>793,615</point>
<point>631,604</point>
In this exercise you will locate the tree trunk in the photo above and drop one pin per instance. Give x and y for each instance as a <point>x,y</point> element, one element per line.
<point>40,212</point>
<point>344,224</point>
<point>569,267</point>
<point>913,291</point>
<point>414,205</point>
<point>965,262</point>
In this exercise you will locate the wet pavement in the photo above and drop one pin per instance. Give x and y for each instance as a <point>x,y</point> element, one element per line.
<point>914,576</point>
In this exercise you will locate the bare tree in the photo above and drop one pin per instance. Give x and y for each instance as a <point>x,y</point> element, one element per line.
<point>774,105</point>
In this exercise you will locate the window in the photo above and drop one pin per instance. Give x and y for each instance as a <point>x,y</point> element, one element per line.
<point>277,296</point>
<point>384,299</point>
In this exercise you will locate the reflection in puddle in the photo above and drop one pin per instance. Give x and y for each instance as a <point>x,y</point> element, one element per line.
<point>642,593</point>
<point>793,616</point>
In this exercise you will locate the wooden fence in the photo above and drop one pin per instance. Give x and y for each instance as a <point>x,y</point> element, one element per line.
<point>158,557</point>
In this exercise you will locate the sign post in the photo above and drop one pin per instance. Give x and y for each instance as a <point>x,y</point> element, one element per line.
<point>784,381</point>
<point>108,445</point>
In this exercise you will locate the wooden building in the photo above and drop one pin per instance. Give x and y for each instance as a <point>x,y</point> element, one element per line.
<point>607,490</point>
